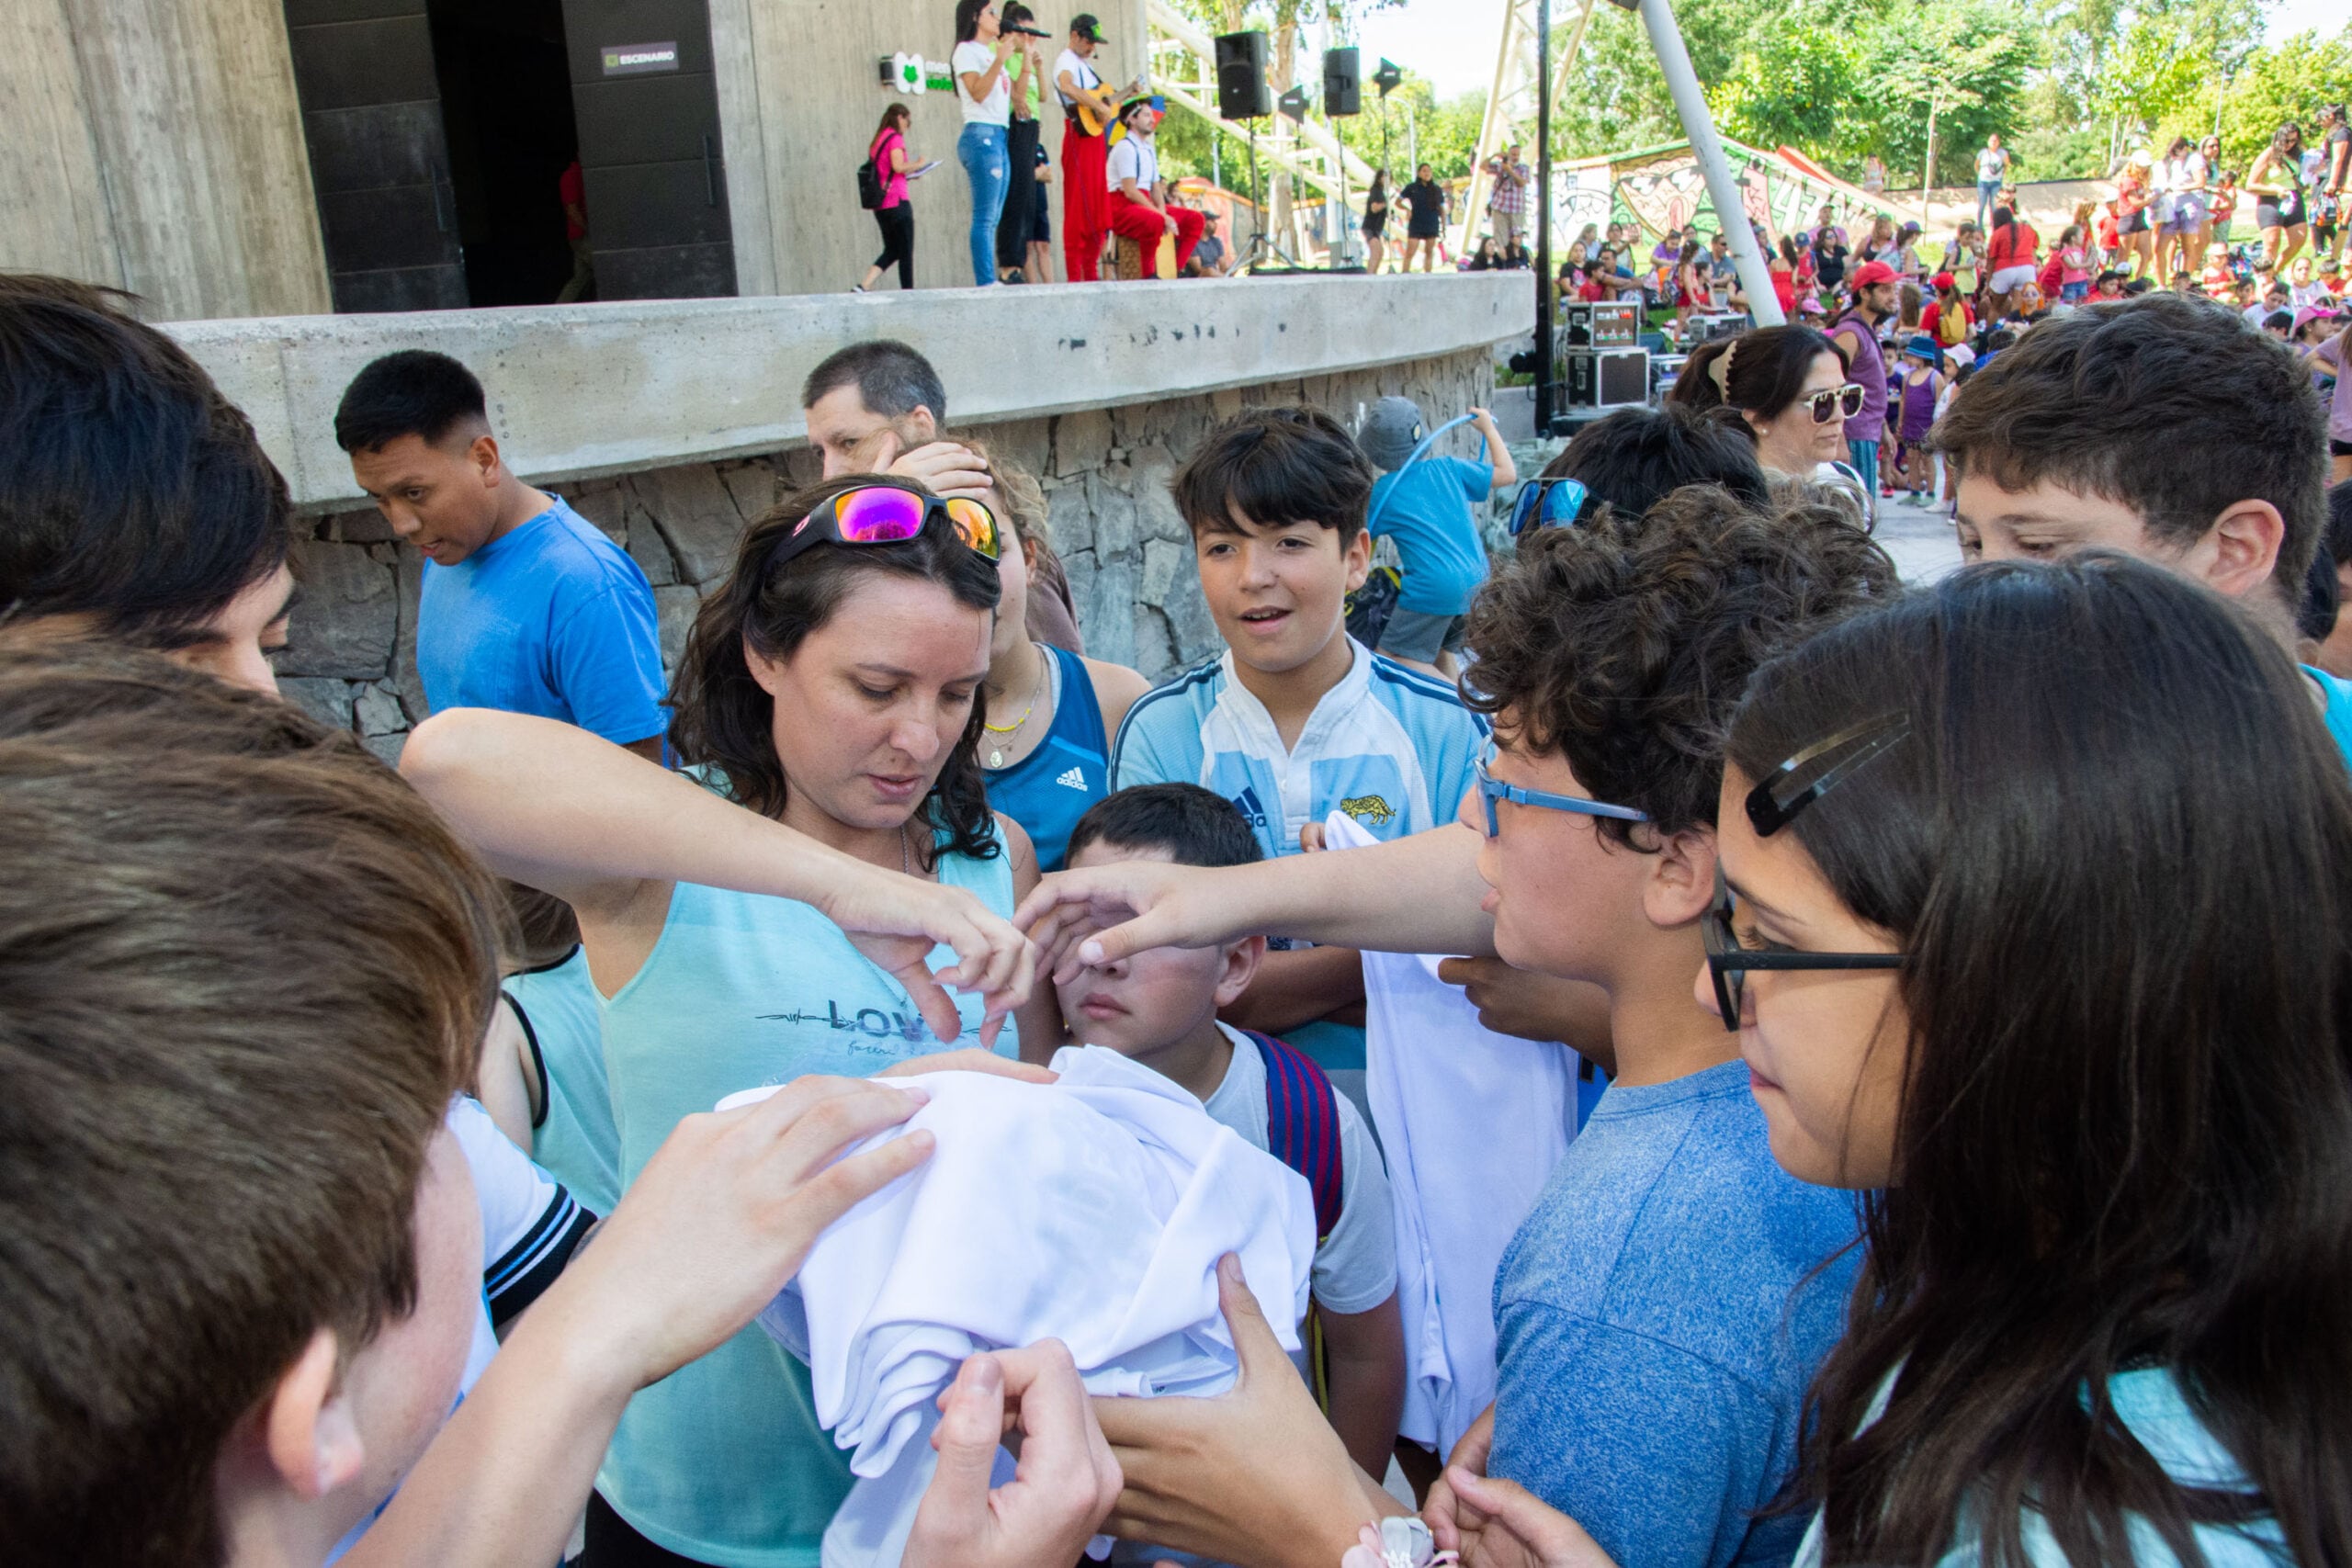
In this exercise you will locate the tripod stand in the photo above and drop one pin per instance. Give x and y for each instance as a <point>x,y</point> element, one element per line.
<point>1263,249</point>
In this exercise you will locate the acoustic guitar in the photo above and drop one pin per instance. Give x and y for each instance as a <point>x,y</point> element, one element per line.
<point>1094,123</point>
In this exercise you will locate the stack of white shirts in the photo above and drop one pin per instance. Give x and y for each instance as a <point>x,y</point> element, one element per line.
<point>1472,1124</point>
<point>1093,1210</point>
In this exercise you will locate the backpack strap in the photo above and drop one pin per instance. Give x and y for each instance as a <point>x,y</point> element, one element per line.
<point>1303,1124</point>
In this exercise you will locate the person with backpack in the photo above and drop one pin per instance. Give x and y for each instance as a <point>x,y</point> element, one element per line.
<point>882,189</point>
<point>1159,1008</point>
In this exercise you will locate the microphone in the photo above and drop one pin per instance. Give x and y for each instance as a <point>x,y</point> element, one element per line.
<point>1025,32</point>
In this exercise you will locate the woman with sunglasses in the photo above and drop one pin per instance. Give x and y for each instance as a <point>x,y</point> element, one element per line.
<point>831,686</point>
<point>1789,391</point>
<point>1045,746</point>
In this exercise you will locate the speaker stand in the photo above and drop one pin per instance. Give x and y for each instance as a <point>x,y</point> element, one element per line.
<point>1263,249</point>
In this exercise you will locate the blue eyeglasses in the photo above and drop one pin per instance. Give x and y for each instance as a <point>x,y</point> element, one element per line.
<point>1562,501</point>
<point>1491,789</point>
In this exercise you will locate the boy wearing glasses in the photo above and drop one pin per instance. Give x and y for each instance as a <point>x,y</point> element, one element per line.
<point>1424,503</point>
<point>1659,1315</point>
<point>1296,719</point>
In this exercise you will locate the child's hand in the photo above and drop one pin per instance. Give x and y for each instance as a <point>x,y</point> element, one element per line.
<point>1102,913</point>
<point>1441,1513</point>
<point>1310,838</point>
<point>723,1216</point>
<point>1064,1482</point>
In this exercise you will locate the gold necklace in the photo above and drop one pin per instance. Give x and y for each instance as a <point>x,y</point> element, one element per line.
<point>1036,690</point>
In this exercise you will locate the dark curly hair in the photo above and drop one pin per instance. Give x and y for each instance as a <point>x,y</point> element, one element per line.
<point>1621,644</point>
<point>722,717</point>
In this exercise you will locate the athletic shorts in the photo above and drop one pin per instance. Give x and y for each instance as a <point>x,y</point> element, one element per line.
<point>2134,223</point>
<point>2188,214</point>
<point>2285,214</point>
<point>2010,278</point>
<point>1420,637</point>
<point>1041,226</point>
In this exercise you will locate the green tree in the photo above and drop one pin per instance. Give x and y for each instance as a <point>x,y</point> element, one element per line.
<point>1968,61</point>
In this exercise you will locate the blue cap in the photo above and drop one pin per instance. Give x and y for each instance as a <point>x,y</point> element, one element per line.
<point>1925,346</point>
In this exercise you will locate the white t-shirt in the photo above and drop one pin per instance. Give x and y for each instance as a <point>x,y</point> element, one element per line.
<point>1992,163</point>
<point>1133,158</point>
<point>1079,68</point>
<point>973,58</point>
<point>1355,1270</point>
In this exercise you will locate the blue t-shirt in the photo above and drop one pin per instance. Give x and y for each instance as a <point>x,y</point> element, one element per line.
<point>1425,506</point>
<point>552,619</point>
<point>2339,712</point>
<point>1657,1326</point>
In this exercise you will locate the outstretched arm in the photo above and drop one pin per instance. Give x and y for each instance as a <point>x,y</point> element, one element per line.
<point>551,805</point>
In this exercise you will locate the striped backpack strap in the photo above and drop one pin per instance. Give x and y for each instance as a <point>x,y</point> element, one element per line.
<point>1303,1125</point>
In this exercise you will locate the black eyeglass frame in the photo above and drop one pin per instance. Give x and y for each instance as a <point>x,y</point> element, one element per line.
<point>1728,962</point>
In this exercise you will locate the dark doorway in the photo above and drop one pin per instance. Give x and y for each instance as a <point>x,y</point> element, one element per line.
<point>506,107</point>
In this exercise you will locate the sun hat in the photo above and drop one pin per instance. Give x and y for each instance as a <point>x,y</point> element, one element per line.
<point>1925,346</point>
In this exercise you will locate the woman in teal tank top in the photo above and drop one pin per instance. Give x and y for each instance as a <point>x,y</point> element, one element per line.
<point>834,689</point>
<point>1046,745</point>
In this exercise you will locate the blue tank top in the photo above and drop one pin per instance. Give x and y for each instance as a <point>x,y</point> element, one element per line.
<point>723,1461</point>
<point>1047,791</point>
<point>574,1138</point>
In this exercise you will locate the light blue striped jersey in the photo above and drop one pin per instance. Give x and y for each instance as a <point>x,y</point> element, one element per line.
<point>1393,749</point>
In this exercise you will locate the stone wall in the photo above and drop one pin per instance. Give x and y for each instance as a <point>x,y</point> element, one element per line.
<point>1105,472</point>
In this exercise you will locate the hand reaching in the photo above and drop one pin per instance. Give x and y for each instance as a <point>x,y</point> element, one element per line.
<point>897,920</point>
<point>1063,1484</point>
<point>943,468</point>
<point>1107,912</point>
<point>1514,1529</point>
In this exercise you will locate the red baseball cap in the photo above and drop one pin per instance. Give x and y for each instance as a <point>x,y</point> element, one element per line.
<point>1872,271</point>
<point>1941,280</point>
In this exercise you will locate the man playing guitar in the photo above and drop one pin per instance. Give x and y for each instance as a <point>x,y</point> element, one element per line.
<point>1092,107</point>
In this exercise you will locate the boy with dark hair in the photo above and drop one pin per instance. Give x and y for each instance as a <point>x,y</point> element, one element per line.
<point>1295,720</point>
<point>2160,427</point>
<point>204,1073</point>
<point>526,606</point>
<point>1633,458</point>
<point>1159,1008</point>
<point>135,502</point>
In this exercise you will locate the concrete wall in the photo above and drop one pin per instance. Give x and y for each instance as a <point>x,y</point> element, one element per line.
<point>672,425</point>
<point>155,145</point>
<point>798,101</point>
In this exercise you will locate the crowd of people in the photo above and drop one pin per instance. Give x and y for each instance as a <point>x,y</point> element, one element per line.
<point>1961,963</point>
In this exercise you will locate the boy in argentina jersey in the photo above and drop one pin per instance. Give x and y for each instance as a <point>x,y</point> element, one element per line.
<point>1297,720</point>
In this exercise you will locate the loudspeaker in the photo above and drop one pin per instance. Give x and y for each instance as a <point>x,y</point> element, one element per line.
<point>1600,323</point>
<point>1241,76</point>
<point>1342,82</point>
<point>1607,378</point>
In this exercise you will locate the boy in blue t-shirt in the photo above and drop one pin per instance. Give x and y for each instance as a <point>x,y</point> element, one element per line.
<point>1296,720</point>
<point>1425,506</point>
<point>526,606</point>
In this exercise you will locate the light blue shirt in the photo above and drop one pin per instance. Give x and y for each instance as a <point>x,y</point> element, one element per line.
<point>1394,749</point>
<point>2148,1401</point>
<point>2339,712</point>
<point>1657,1326</point>
<point>1425,506</point>
<point>723,1461</point>
<point>574,1138</point>
<point>551,618</point>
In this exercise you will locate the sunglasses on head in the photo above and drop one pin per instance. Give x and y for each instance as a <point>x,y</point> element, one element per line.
<point>885,514</point>
<point>1544,503</point>
<point>1836,401</point>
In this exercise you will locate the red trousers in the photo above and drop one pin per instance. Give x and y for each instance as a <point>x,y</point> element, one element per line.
<point>1085,204</point>
<point>1134,220</point>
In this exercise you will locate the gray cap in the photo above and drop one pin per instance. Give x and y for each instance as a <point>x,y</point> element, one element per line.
<point>1391,432</point>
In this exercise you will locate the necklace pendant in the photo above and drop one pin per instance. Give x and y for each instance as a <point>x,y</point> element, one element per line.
<point>996,759</point>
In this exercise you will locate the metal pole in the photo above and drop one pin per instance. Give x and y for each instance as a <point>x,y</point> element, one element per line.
<point>1544,285</point>
<point>1674,61</point>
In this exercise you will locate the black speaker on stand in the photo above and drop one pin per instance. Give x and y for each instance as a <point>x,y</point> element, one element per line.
<point>1241,76</point>
<point>1342,100</point>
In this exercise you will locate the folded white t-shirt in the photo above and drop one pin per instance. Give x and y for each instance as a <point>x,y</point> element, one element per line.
<point>1093,1210</point>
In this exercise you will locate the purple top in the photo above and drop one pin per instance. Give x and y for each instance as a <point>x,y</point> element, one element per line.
<point>1868,369</point>
<point>2339,407</point>
<point>1918,409</point>
<point>894,186</point>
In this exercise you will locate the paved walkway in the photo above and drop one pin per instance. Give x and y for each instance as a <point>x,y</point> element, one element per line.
<point>1921,541</point>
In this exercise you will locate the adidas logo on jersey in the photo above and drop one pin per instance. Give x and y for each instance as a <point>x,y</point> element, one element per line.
<point>1075,778</point>
<point>1247,803</point>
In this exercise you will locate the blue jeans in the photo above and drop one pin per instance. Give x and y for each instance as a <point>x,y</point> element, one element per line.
<point>1863,454</point>
<point>982,151</point>
<point>1988,194</point>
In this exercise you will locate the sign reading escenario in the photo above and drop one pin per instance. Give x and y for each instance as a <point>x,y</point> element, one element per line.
<point>638,58</point>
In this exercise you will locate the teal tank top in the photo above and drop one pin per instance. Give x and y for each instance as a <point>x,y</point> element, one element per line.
<point>2337,695</point>
<point>1047,791</point>
<point>723,1461</point>
<point>574,1138</point>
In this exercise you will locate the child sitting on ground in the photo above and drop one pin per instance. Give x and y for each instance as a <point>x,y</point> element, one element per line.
<point>1425,506</point>
<point>1159,1008</point>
